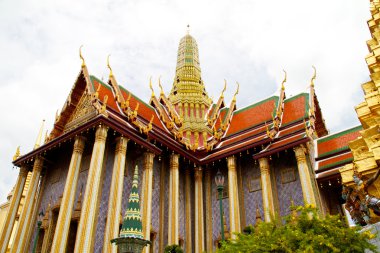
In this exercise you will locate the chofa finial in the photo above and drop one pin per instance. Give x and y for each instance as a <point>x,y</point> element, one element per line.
<point>159,84</point>
<point>284,81</point>
<point>17,154</point>
<point>150,86</point>
<point>237,91</point>
<point>81,56</point>
<point>224,88</point>
<point>314,76</point>
<point>108,65</point>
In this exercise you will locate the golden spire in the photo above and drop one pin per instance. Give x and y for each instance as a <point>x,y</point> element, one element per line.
<point>17,154</point>
<point>224,88</point>
<point>314,76</point>
<point>81,56</point>
<point>159,84</point>
<point>237,91</point>
<point>150,86</point>
<point>39,137</point>
<point>283,82</point>
<point>188,29</point>
<point>108,65</point>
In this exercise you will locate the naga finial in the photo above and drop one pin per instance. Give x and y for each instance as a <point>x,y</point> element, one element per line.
<point>314,76</point>
<point>159,84</point>
<point>284,81</point>
<point>81,56</point>
<point>108,65</point>
<point>17,154</point>
<point>237,91</point>
<point>224,88</point>
<point>150,86</point>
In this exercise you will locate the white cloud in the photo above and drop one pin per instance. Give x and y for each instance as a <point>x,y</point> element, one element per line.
<point>245,41</point>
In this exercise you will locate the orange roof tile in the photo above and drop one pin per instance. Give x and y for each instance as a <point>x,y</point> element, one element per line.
<point>335,161</point>
<point>252,115</point>
<point>337,142</point>
<point>295,108</point>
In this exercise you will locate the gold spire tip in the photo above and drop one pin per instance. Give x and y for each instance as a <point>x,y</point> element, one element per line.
<point>314,76</point>
<point>108,65</point>
<point>284,81</point>
<point>150,86</point>
<point>188,29</point>
<point>159,84</point>
<point>81,56</point>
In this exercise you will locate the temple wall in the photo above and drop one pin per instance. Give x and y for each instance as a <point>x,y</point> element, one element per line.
<point>253,197</point>
<point>287,190</point>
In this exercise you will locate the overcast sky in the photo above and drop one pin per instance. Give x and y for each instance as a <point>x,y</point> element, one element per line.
<point>245,41</point>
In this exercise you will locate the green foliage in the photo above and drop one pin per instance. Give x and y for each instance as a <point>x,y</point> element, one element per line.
<point>173,249</point>
<point>303,231</point>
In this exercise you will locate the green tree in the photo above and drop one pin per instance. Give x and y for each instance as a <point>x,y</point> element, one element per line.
<point>302,231</point>
<point>173,249</point>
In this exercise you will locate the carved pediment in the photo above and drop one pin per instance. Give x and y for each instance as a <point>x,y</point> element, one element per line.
<point>82,113</point>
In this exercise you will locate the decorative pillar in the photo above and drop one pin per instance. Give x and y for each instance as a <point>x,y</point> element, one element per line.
<point>146,203</point>
<point>64,216</point>
<point>188,242</point>
<point>199,226</point>
<point>9,222</point>
<point>25,219</point>
<point>89,215</point>
<point>305,177</point>
<point>115,196</point>
<point>267,192</point>
<point>162,206</point>
<point>233,197</point>
<point>173,200</point>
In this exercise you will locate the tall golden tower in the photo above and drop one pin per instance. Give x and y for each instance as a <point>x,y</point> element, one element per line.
<point>188,94</point>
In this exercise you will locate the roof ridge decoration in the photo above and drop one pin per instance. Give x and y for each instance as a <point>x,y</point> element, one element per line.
<point>219,105</point>
<point>310,124</point>
<point>277,119</point>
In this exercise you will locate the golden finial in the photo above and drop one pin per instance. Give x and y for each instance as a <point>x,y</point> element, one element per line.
<point>283,82</point>
<point>188,29</point>
<point>159,84</point>
<point>81,56</point>
<point>237,91</point>
<point>108,65</point>
<point>314,76</point>
<point>224,88</point>
<point>39,137</point>
<point>150,86</point>
<point>17,154</point>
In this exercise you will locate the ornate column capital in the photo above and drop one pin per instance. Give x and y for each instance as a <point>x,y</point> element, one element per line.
<point>300,152</point>
<point>121,144</point>
<point>79,144</point>
<point>198,173</point>
<point>101,133</point>
<point>23,171</point>
<point>231,162</point>
<point>264,165</point>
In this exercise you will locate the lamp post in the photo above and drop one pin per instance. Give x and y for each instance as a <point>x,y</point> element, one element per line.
<point>219,180</point>
<point>39,223</point>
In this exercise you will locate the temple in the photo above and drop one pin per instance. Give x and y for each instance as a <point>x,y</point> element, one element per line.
<point>73,187</point>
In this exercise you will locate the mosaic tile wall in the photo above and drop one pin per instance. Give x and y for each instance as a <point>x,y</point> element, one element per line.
<point>156,202</point>
<point>181,205</point>
<point>103,204</point>
<point>287,191</point>
<point>252,199</point>
<point>166,202</point>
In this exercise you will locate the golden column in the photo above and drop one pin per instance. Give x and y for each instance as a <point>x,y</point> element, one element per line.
<point>64,216</point>
<point>305,176</point>
<point>89,215</point>
<point>12,210</point>
<point>25,219</point>
<point>233,196</point>
<point>188,210</point>
<point>146,204</point>
<point>267,191</point>
<point>115,196</point>
<point>173,200</point>
<point>199,226</point>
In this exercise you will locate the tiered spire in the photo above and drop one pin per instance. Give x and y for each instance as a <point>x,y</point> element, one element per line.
<point>131,237</point>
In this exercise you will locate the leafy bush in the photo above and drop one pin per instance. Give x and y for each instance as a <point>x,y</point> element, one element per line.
<point>302,231</point>
<point>173,249</point>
